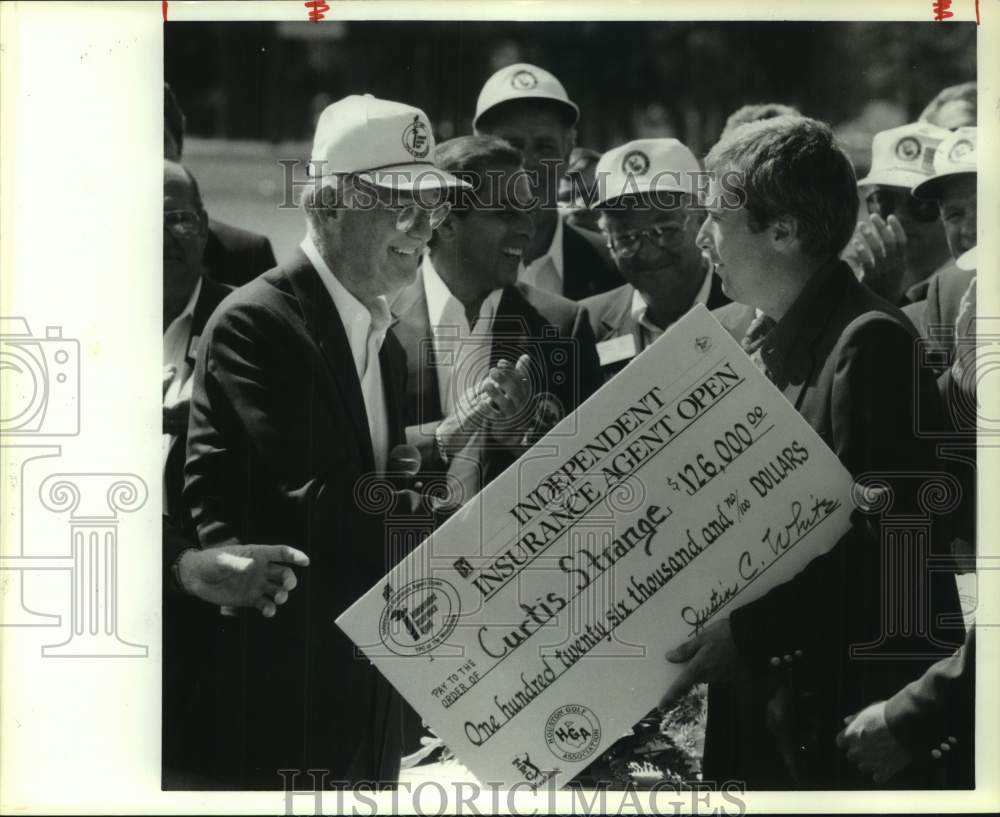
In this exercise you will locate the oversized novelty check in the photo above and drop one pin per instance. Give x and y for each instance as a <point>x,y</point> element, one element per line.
<point>530,630</point>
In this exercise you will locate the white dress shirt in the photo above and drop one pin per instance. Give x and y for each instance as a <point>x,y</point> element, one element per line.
<point>365,333</point>
<point>178,345</point>
<point>546,271</point>
<point>646,331</point>
<point>461,352</point>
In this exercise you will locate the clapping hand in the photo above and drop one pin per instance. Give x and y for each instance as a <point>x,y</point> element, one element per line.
<point>877,254</point>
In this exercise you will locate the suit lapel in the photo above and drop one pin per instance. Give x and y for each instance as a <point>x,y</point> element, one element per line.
<point>209,298</point>
<point>327,331</point>
<point>617,318</point>
<point>512,326</point>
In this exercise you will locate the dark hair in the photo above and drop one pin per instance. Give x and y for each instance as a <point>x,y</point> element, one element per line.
<point>471,158</point>
<point>173,118</point>
<point>966,92</point>
<point>755,113</point>
<point>791,166</point>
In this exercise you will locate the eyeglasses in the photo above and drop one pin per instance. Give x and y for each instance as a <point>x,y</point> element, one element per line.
<point>665,236</point>
<point>182,223</point>
<point>407,215</point>
<point>886,202</point>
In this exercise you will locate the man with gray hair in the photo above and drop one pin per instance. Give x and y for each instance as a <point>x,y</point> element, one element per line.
<point>298,395</point>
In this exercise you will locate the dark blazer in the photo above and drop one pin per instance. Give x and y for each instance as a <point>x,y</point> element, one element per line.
<point>190,626</point>
<point>935,318</point>
<point>277,444</point>
<point>611,314</point>
<point>939,707</point>
<point>553,330</point>
<point>843,357</point>
<point>209,298</point>
<point>587,265</point>
<point>234,256</point>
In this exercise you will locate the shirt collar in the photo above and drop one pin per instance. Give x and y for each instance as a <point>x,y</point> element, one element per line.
<point>639,303</point>
<point>356,317</point>
<point>188,312</point>
<point>787,339</point>
<point>443,307</point>
<point>554,253</point>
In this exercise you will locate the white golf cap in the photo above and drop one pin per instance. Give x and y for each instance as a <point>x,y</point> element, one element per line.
<point>387,143</point>
<point>645,166</point>
<point>523,81</point>
<point>967,260</point>
<point>904,156</point>
<point>955,156</point>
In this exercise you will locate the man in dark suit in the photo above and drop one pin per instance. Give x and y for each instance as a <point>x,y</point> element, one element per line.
<point>929,724</point>
<point>529,108</point>
<point>646,204</point>
<point>466,320</point>
<point>232,255</point>
<point>780,670</point>
<point>298,396</point>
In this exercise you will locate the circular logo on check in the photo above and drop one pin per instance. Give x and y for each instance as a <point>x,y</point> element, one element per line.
<point>573,732</point>
<point>420,616</point>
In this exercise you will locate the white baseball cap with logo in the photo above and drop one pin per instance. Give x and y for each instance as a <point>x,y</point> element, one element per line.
<point>386,143</point>
<point>904,156</point>
<point>645,166</point>
<point>955,156</point>
<point>523,81</point>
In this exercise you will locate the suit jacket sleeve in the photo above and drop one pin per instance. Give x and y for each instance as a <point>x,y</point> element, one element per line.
<point>938,705</point>
<point>871,409</point>
<point>248,435</point>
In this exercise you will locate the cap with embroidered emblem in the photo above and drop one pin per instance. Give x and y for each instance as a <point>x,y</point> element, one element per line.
<point>523,81</point>
<point>645,166</point>
<point>904,156</point>
<point>955,156</point>
<point>387,143</point>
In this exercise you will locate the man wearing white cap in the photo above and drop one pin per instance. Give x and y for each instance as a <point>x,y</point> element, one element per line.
<point>952,191</point>
<point>646,194</point>
<point>297,396</point>
<point>901,243</point>
<point>529,108</point>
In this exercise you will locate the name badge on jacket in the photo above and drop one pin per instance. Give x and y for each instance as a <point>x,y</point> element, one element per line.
<point>615,353</point>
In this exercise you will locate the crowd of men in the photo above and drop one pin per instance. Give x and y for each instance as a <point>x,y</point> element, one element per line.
<point>402,337</point>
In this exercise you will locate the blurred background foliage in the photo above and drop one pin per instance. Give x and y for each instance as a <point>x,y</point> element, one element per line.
<point>264,83</point>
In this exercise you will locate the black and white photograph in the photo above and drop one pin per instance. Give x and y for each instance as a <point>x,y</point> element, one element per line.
<point>558,410</point>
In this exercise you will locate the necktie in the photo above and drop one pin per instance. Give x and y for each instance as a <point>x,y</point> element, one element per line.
<point>753,340</point>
